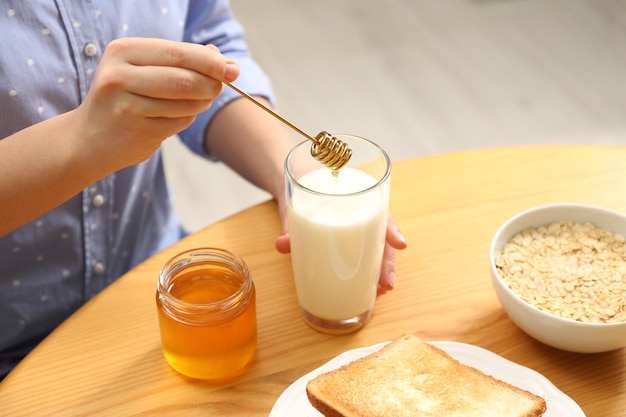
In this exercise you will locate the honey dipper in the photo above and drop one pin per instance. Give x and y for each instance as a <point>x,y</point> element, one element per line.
<point>326,148</point>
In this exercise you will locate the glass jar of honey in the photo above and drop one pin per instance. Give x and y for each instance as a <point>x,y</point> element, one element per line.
<point>206,304</point>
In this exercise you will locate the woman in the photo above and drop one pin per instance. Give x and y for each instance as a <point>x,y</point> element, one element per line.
<point>90,89</point>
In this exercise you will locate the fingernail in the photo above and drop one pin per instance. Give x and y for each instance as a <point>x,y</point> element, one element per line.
<point>231,72</point>
<point>401,238</point>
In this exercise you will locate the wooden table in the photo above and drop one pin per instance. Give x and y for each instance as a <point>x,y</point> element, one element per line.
<point>106,359</point>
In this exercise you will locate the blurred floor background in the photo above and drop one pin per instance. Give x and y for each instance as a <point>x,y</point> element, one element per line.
<point>422,77</point>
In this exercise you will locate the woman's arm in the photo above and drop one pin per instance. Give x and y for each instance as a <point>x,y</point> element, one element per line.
<point>144,91</point>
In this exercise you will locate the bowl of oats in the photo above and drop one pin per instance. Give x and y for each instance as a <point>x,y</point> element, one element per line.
<point>559,271</point>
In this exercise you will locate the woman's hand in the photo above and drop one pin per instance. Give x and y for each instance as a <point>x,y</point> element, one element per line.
<point>394,241</point>
<point>145,90</point>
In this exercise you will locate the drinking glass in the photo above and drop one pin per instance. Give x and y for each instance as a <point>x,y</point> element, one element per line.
<point>337,226</point>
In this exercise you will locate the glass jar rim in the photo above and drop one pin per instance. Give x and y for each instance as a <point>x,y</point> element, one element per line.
<point>190,257</point>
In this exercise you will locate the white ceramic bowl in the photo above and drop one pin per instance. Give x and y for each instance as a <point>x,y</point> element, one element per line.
<point>552,330</point>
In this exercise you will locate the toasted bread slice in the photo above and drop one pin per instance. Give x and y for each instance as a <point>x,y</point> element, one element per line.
<point>410,377</point>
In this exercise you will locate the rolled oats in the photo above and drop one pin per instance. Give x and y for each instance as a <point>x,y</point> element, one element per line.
<point>572,270</point>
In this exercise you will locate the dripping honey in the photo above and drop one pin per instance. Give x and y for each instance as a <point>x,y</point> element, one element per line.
<point>207,314</point>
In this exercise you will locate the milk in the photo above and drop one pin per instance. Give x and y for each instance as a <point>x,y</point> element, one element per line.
<point>337,242</point>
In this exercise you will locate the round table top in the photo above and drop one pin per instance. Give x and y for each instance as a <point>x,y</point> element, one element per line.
<point>106,359</point>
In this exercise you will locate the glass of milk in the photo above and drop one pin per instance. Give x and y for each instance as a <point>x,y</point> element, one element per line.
<point>337,225</point>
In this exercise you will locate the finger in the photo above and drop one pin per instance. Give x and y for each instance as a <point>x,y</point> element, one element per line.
<point>387,280</point>
<point>157,81</point>
<point>172,109</point>
<point>283,244</point>
<point>231,70</point>
<point>394,236</point>
<point>135,106</point>
<point>161,52</point>
<point>169,83</point>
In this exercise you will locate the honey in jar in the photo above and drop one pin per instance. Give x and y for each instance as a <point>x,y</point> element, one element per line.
<point>206,305</point>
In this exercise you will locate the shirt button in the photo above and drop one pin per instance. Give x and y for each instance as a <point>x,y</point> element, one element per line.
<point>90,50</point>
<point>97,200</point>
<point>98,268</point>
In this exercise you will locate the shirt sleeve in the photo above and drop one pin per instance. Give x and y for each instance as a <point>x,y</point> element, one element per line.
<point>212,22</point>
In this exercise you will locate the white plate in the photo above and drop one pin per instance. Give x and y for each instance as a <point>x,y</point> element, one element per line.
<point>294,402</point>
